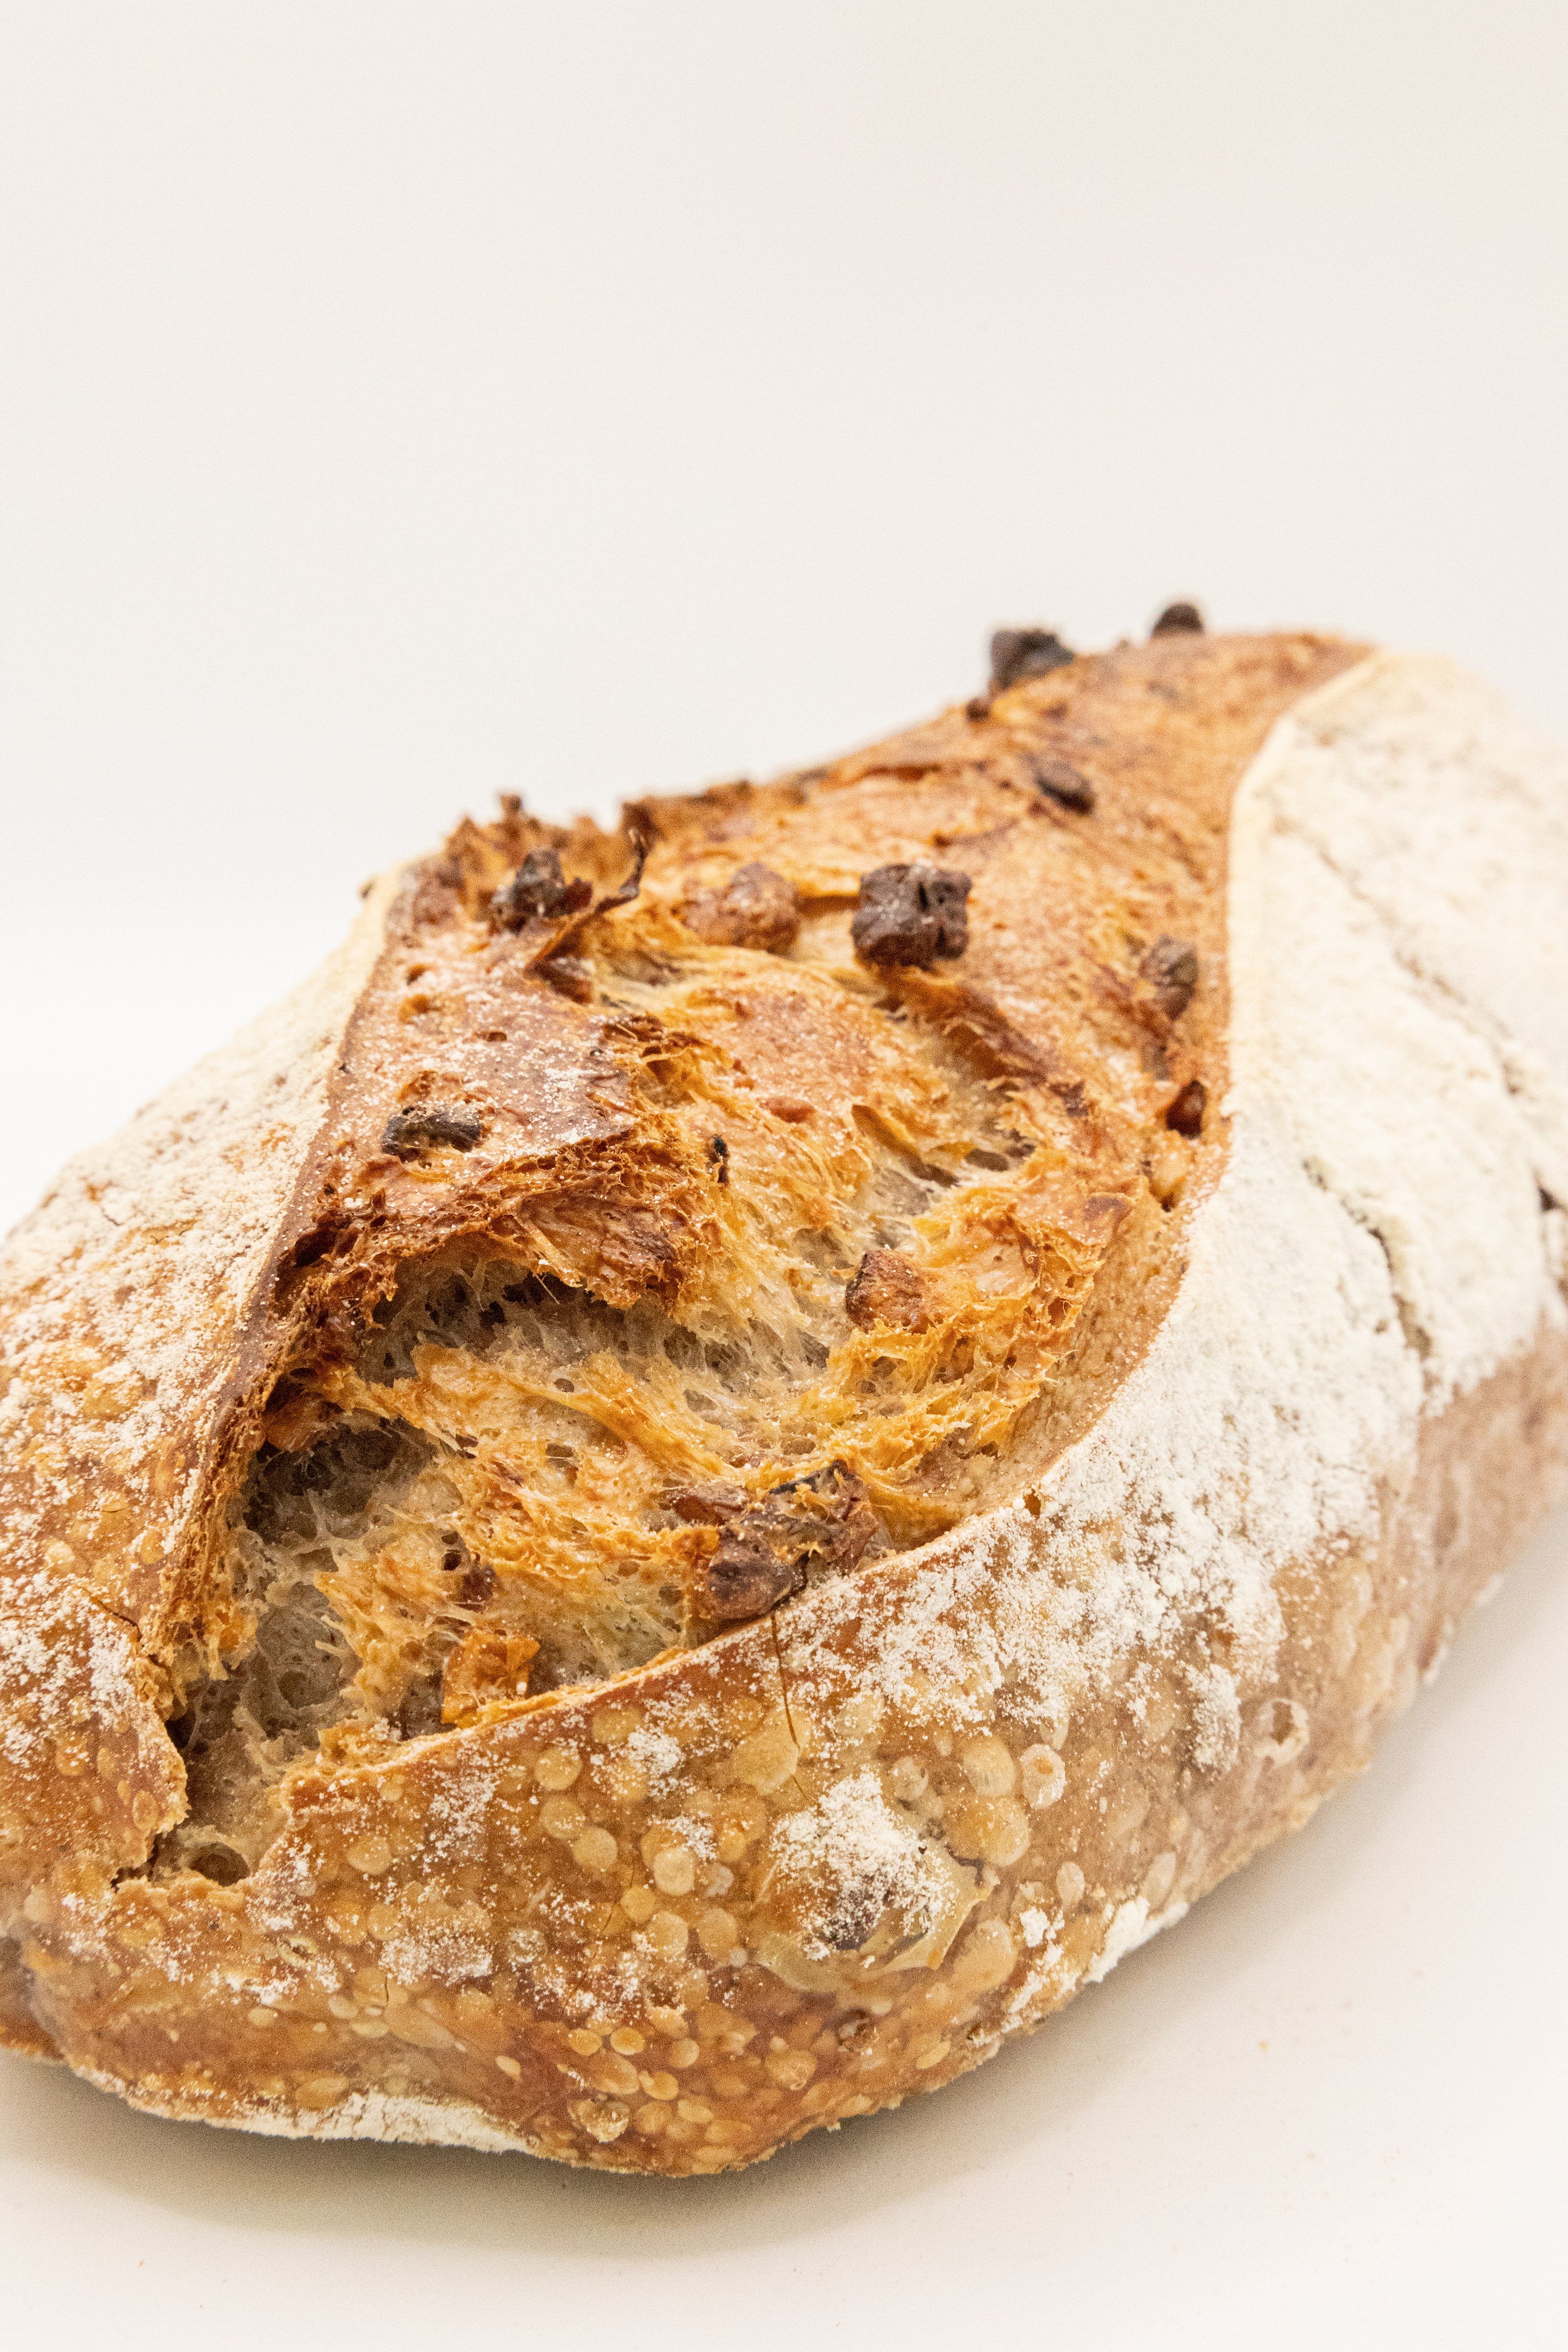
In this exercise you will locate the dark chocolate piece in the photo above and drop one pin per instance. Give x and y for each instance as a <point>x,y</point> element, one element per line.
<point>1061,782</point>
<point>1184,1116</point>
<point>412,1130</point>
<point>1018,653</point>
<point>479,1585</point>
<point>1170,969</point>
<point>638,829</point>
<point>538,889</point>
<point>708,1506</point>
<point>911,914</point>
<point>854,1916</point>
<point>1179,621</point>
<point>419,1711</point>
<point>823,1522</point>
<point>749,1573</point>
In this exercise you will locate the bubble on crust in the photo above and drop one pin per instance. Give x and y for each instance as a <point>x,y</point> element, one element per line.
<point>844,1862</point>
<point>657,1752</point>
<point>602,2119</point>
<point>1043,1776</point>
<point>1280,1728</point>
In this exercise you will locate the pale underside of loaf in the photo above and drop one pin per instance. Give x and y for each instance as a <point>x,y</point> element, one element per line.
<point>1086,1664</point>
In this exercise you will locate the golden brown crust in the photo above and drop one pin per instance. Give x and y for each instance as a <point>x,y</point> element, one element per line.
<point>702,2065</point>
<point>810,1864</point>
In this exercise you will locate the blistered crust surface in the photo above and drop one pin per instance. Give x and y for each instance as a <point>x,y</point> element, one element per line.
<point>923,1806</point>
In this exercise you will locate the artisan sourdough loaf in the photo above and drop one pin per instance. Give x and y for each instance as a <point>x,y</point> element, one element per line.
<point>732,1454</point>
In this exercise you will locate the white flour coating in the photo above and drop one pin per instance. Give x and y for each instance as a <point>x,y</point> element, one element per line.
<point>378,2115</point>
<point>1399,848</point>
<point>52,1638</point>
<point>421,2122</point>
<point>1216,1717</point>
<point>178,1212</point>
<point>363,2115</point>
<point>1131,1926</point>
<point>1375,1245</point>
<point>854,1853</point>
<point>458,1815</point>
<point>1451,821</point>
<point>655,1753</point>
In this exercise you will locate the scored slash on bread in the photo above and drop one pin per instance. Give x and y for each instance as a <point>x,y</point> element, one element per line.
<point>738,1452</point>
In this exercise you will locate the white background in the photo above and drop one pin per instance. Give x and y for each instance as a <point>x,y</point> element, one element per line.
<point>401,405</point>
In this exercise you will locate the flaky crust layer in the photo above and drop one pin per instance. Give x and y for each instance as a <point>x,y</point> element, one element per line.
<point>942,1792</point>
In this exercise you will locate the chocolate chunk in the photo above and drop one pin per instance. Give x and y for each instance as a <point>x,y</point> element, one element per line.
<point>831,1513</point>
<point>410,1132</point>
<point>1179,621</point>
<point>538,889</point>
<point>886,1288</point>
<point>768,1552</point>
<point>911,914</point>
<point>749,1573</point>
<point>1170,969</point>
<point>1018,653</point>
<point>719,1155</point>
<point>756,908</point>
<point>1059,781</point>
<point>1184,1116</point>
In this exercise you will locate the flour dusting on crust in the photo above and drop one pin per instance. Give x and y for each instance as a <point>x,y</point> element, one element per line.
<point>146,1250</point>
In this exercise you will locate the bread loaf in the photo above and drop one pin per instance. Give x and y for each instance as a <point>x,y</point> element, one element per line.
<point>734,1453</point>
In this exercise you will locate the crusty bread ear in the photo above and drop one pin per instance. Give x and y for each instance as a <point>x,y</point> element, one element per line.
<point>739,1451</point>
